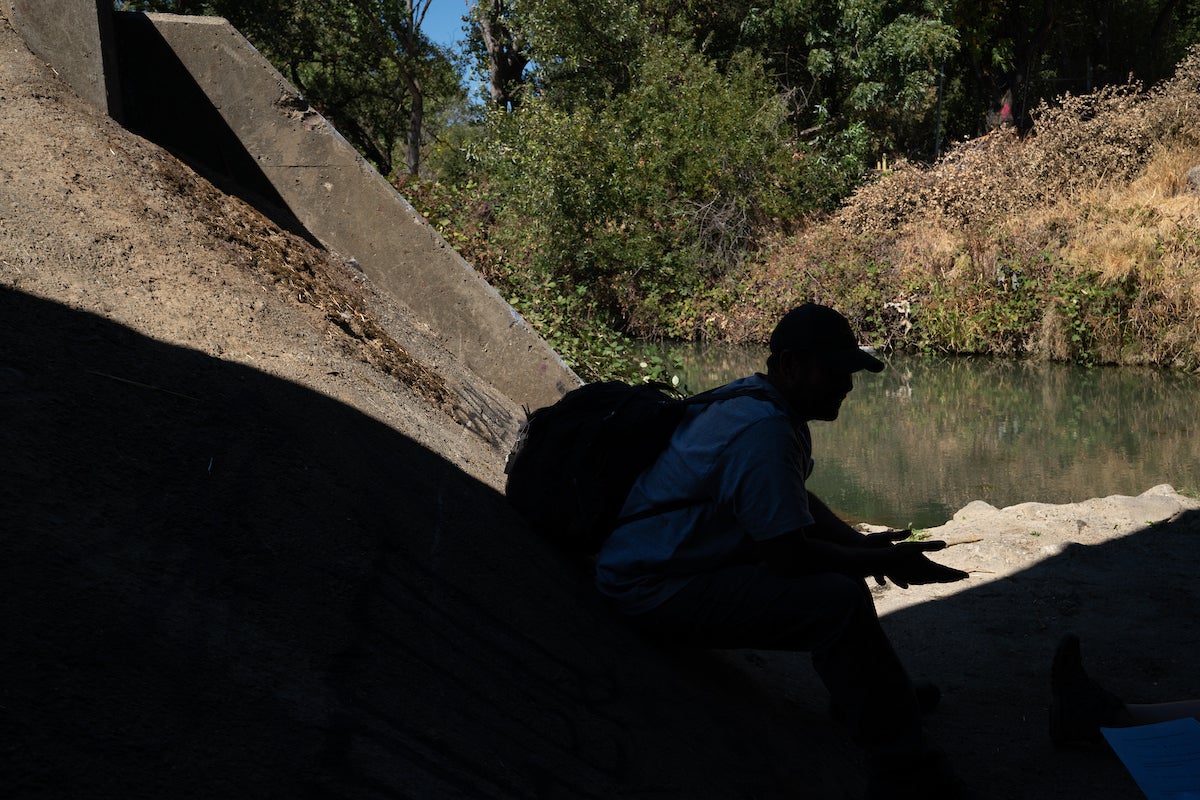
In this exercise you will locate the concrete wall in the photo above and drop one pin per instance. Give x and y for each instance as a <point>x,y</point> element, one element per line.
<point>74,37</point>
<point>306,167</point>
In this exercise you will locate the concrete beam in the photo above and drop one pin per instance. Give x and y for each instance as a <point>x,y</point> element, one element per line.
<point>75,38</point>
<point>350,208</point>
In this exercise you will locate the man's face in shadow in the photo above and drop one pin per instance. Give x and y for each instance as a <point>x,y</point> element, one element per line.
<point>813,387</point>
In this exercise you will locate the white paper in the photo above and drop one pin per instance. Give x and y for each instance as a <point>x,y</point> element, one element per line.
<point>1163,758</point>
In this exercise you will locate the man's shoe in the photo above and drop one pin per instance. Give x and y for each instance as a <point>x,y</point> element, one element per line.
<point>1079,707</point>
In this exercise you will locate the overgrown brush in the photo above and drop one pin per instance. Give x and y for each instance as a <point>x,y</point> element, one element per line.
<point>1077,241</point>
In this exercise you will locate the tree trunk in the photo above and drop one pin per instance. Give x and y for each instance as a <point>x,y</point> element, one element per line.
<point>506,61</point>
<point>1162,26</point>
<point>416,120</point>
<point>1029,49</point>
<point>412,80</point>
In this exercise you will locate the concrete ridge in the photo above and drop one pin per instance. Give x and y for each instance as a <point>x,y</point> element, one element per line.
<point>301,162</point>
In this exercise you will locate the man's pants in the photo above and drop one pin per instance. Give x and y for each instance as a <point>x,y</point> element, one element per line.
<point>831,615</point>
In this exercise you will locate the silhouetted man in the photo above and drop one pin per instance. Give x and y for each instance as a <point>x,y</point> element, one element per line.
<point>724,547</point>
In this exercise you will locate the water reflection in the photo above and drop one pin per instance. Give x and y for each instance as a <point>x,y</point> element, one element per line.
<point>925,437</point>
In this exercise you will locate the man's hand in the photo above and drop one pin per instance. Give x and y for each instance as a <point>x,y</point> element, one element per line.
<point>904,562</point>
<point>884,539</point>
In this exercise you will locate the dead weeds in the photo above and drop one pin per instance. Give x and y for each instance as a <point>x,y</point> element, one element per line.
<point>1098,200</point>
<point>308,276</point>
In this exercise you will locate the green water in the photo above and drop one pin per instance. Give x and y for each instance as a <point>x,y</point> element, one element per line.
<point>925,437</point>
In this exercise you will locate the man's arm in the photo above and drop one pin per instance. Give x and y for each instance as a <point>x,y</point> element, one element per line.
<point>827,545</point>
<point>798,553</point>
<point>828,527</point>
<point>905,563</point>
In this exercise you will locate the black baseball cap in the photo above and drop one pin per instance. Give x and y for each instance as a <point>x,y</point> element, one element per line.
<point>818,329</point>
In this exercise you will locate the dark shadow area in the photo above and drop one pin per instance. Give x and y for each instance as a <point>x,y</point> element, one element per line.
<point>163,103</point>
<point>221,584</point>
<point>108,59</point>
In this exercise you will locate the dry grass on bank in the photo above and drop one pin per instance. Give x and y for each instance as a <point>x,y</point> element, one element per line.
<point>1077,241</point>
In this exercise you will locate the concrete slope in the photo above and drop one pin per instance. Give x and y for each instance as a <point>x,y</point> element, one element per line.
<point>351,209</point>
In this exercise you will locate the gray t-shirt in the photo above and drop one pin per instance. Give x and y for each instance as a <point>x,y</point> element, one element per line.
<point>745,461</point>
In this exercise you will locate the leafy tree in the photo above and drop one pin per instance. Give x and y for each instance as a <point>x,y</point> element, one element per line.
<point>886,63</point>
<point>642,201</point>
<point>584,52</point>
<point>875,63</point>
<point>1036,51</point>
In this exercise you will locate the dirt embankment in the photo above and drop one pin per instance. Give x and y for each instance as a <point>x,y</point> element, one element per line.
<point>253,545</point>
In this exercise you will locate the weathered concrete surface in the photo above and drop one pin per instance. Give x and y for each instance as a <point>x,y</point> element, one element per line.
<point>74,36</point>
<point>353,210</point>
<point>333,193</point>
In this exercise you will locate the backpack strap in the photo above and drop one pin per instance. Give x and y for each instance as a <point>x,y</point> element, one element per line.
<point>723,393</point>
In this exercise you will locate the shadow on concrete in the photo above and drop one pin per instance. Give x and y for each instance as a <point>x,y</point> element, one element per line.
<point>221,584</point>
<point>162,102</point>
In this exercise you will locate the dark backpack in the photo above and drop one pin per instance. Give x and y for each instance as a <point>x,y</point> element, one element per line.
<point>575,461</point>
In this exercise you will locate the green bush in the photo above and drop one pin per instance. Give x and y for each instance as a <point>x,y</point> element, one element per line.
<point>647,201</point>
